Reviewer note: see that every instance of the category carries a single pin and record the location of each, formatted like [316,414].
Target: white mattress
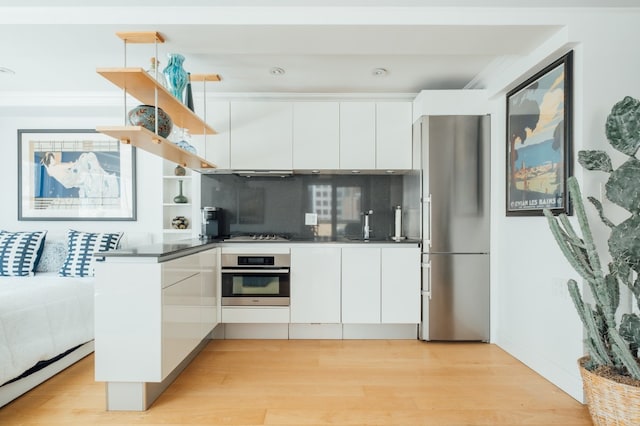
[42,317]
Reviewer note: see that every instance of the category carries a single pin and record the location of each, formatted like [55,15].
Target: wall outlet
[311,219]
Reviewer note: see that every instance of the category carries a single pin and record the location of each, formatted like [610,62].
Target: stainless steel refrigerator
[455,227]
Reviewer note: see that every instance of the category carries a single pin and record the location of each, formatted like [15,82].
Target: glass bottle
[188,94]
[154,71]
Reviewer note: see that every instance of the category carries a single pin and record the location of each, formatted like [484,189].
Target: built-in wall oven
[255,279]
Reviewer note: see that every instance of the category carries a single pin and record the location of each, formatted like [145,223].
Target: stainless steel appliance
[265,237]
[455,228]
[255,279]
[211,222]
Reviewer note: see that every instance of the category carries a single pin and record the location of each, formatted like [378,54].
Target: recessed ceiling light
[277,71]
[5,70]
[379,72]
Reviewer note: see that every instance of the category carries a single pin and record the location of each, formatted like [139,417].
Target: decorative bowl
[180,222]
[145,116]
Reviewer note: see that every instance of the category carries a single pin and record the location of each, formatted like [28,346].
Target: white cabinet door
[316,135]
[216,148]
[210,265]
[261,135]
[401,285]
[361,285]
[181,321]
[315,285]
[357,135]
[393,135]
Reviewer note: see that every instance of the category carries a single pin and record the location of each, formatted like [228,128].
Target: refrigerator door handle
[427,292]
[428,241]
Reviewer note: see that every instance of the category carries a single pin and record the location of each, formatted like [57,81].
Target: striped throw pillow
[20,252]
[81,246]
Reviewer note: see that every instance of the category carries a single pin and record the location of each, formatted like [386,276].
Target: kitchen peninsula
[157,305]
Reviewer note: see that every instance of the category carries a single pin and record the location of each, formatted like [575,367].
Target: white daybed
[41,318]
[46,320]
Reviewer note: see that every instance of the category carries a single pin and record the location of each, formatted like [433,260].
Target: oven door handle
[255,271]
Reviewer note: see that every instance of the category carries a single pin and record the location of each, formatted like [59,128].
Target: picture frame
[539,142]
[75,174]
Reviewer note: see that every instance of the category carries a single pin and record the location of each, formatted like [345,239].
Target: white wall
[533,317]
[148,174]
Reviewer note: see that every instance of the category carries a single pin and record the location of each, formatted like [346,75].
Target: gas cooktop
[258,237]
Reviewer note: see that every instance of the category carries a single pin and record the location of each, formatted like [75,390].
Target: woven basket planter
[610,403]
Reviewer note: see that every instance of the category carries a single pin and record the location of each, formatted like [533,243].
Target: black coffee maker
[211,220]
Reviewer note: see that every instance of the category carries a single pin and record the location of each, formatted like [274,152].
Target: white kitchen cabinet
[381,285]
[315,284]
[316,135]
[261,135]
[150,316]
[210,302]
[361,285]
[400,285]
[393,135]
[357,135]
[216,148]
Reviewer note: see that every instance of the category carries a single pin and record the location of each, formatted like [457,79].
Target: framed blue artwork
[76,174]
[539,156]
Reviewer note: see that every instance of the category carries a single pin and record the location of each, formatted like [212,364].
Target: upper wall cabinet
[316,135]
[216,148]
[375,135]
[305,135]
[393,135]
[357,135]
[261,135]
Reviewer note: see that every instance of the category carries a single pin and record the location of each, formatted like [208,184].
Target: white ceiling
[319,55]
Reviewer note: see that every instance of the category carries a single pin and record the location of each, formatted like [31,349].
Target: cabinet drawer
[180,269]
[255,315]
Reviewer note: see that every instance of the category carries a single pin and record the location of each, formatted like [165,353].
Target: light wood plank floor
[320,382]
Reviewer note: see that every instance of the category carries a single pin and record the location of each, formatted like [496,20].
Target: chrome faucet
[366,230]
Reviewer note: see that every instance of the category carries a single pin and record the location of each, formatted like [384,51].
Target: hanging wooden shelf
[142,86]
[148,141]
[139,84]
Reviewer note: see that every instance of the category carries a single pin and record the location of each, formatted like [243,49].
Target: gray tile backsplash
[278,205]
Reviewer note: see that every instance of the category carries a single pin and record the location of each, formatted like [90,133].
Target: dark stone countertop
[175,249]
[164,251]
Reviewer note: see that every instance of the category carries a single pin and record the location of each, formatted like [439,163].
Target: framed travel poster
[75,175]
[538,150]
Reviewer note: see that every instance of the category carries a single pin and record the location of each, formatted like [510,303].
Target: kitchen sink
[370,239]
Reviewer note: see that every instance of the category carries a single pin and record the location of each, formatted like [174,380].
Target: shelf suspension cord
[155,90]
[124,92]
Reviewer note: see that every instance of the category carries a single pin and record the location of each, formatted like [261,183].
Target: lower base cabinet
[149,317]
[381,285]
[315,285]
[361,285]
[400,285]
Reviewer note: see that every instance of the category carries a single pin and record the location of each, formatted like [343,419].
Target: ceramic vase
[175,75]
[179,170]
[145,116]
[180,198]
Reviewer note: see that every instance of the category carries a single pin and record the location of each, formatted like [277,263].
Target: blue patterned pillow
[20,252]
[80,249]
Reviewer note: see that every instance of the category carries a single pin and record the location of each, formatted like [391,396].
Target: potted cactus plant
[610,371]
